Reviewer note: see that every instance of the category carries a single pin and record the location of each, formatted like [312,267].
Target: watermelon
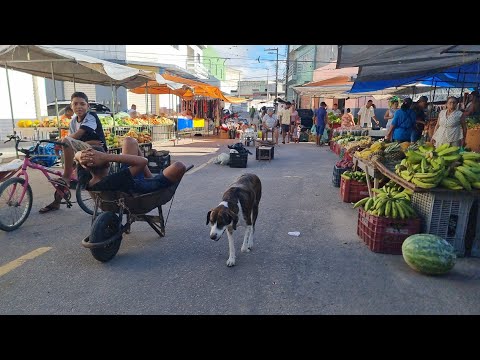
[428,254]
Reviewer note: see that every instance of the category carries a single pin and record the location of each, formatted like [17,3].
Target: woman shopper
[391,111]
[451,127]
[403,123]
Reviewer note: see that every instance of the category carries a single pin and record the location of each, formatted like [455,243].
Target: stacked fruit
[428,167]
[391,201]
[367,153]
[359,176]
[464,173]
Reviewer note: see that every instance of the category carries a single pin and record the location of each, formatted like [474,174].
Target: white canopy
[70,66]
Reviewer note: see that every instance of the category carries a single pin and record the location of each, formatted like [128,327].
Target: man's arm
[93,158]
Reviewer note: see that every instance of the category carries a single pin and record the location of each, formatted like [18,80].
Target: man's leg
[175,171]
[130,147]
[72,146]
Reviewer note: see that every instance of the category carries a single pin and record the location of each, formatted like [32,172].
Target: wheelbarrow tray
[136,203]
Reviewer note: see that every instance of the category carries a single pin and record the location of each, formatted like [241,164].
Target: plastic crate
[385,235]
[257,151]
[445,214]
[352,191]
[238,160]
[336,177]
[157,163]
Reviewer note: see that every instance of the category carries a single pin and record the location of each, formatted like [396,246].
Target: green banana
[471,177]
[442,147]
[423,165]
[458,175]
[452,158]
[451,184]
[360,202]
[449,150]
[388,208]
[476,184]
[470,155]
[394,210]
[400,209]
[422,184]
[471,163]
[368,204]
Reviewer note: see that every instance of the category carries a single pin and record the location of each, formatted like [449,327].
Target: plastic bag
[313,130]
[325,135]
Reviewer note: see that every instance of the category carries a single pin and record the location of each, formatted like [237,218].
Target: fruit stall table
[369,168]
[445,212]
[377,134]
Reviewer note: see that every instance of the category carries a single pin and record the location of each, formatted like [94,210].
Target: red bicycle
[16,194]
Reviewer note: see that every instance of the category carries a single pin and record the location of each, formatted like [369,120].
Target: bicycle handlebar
[18,140]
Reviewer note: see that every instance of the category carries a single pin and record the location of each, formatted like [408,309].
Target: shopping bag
[325,135]
[313,130]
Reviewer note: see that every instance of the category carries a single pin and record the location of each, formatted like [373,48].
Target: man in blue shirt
[321,116]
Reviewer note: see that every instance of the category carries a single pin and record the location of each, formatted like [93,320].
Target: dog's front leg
[246,240]
[231,248]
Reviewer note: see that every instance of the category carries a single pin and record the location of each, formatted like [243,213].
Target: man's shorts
[285,128]
[145,185]
[320,129]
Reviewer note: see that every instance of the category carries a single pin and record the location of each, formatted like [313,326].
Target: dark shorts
[146,185]
[320,129]
[285,128]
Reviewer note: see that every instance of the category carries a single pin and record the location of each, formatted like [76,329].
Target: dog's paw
[245,248]
[230,262]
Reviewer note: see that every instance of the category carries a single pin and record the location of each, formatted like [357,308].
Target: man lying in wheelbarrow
[134,177]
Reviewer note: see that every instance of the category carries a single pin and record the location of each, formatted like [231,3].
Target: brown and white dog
[246,191]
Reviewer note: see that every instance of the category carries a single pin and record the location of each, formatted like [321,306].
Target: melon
[428,254]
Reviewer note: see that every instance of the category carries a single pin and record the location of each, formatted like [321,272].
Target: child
[296,133]
[134,176]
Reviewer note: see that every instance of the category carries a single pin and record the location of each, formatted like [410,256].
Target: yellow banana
[449,150]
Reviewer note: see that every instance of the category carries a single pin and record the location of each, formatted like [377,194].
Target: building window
[175,46]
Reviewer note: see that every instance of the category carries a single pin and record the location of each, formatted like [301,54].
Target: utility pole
[276,72]
[267,85]
[286,73]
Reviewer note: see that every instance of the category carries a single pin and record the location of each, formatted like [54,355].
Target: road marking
[201,166]
[4,269]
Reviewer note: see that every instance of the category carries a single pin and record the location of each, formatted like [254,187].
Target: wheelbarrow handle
[189,168]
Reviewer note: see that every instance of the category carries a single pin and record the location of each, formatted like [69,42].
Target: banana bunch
[464,173]
[388,203]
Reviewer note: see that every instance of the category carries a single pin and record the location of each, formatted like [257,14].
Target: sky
[253,60]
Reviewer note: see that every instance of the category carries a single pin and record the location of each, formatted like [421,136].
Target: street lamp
[276,71]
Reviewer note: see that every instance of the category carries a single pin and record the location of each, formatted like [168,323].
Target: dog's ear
[208,217]
[234,219]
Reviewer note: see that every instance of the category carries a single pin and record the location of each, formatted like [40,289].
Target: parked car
[100,109]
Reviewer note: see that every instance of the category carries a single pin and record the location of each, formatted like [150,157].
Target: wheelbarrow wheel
[105,226]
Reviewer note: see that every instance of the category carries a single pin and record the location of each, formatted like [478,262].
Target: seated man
[134,176]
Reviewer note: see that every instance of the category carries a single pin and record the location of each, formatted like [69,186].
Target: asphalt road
[326,270]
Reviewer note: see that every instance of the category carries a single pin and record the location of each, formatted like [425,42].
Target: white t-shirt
[367,114]
[269,121]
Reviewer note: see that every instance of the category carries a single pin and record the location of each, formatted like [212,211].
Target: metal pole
[146,97]
[11,107]
[276,76]
[56,100]
[286,74]
[267,85]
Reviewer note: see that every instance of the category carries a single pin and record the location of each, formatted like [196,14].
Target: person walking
[321,121]
[284,116]
[366,115]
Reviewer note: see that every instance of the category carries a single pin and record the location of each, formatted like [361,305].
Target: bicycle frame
[27,163]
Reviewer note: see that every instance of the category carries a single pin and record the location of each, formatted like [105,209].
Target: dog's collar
[224,203]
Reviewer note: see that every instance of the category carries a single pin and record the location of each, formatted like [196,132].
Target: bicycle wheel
[84,199]
[12,213]
[105,226]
